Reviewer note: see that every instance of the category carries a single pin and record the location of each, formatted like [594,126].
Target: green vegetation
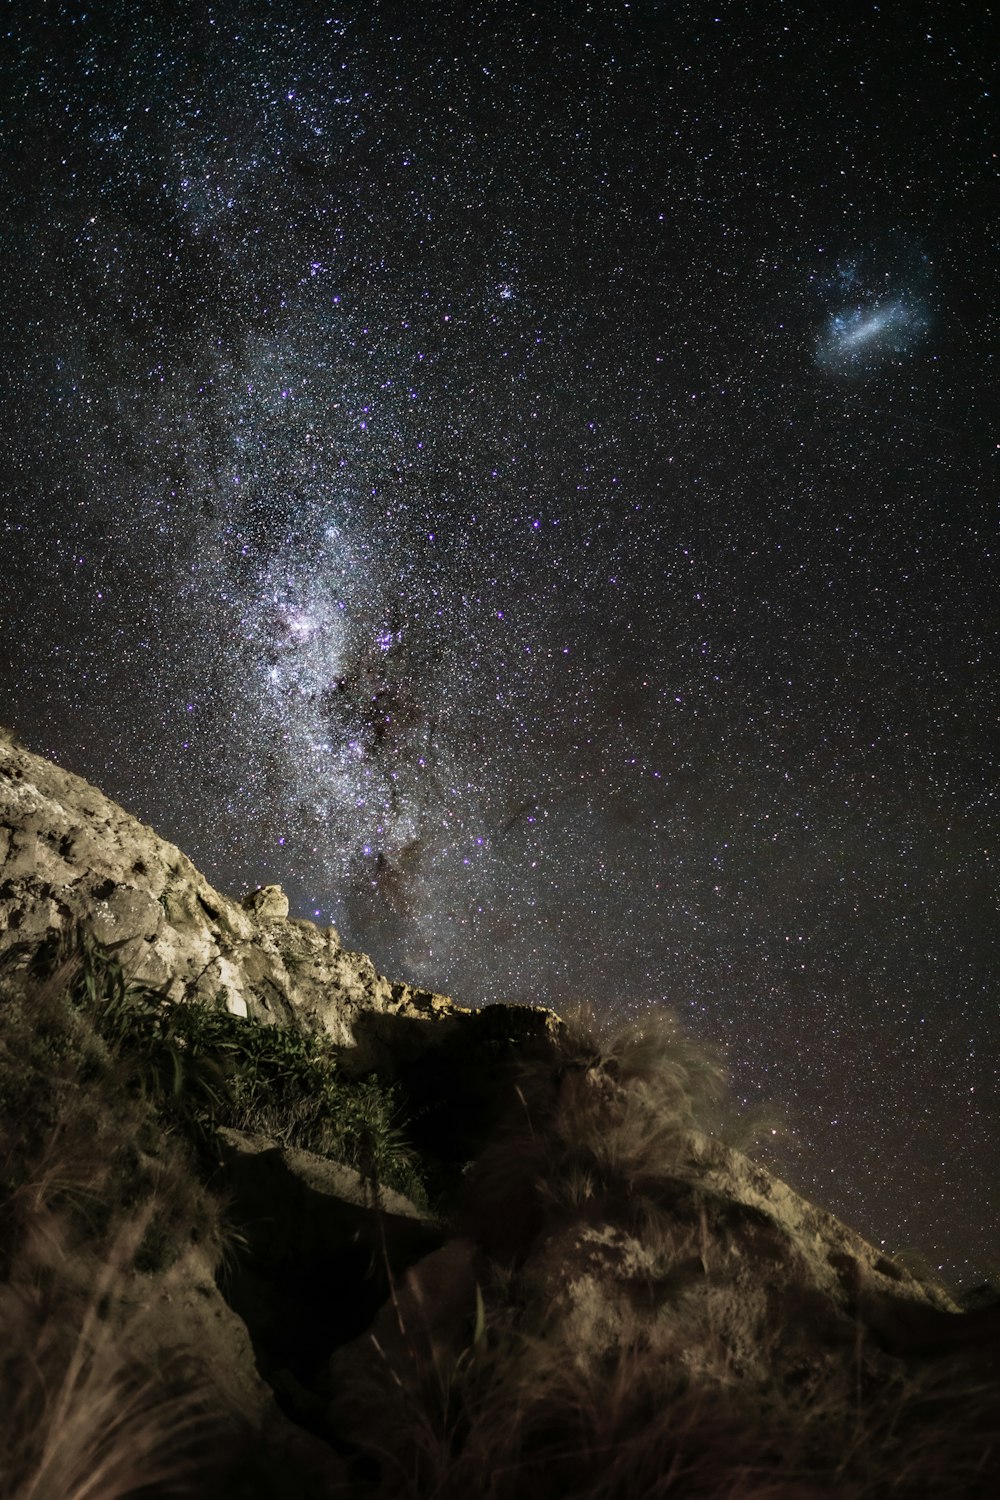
[76,1140]
[109,1098]
[608,1321]
[93,1193]
[200,1068]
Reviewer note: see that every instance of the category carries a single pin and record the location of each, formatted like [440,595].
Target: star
[555,457]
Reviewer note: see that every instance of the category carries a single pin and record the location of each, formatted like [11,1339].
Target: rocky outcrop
[317,1246]
[706,1319]
[719,1272]
[611,1294]
[68,853]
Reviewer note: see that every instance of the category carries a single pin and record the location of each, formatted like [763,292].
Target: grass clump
[524,1416]
[83,1418]
[603,1129]
[286,1084]
[78,1145]
[109,1098]
[94,1194]
[198,1068]
[633,1331]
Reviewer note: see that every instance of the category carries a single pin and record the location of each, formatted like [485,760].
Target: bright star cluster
[524,479]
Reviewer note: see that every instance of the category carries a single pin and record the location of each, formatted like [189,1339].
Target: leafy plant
[200,1067]
[79,1133]
[95,1194]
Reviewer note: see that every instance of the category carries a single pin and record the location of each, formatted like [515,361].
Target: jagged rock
[269,903]
[295,1202]
[684,1261]
[181,1316]
[179,1322]
[599,1231]
[423,1329]
[730,1274]
[735,1266]
[68,853]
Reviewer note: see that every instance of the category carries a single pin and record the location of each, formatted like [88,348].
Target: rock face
[67,852]
[630,1299]
[605,1282]
[317,1249]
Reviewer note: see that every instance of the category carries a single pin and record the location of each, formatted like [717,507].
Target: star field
[525,480]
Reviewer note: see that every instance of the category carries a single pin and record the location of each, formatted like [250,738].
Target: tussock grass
[622,1350]
[605,1129]
[99,1194]
[519,1418]
[83,1420]
[80,1143]
[620,1343]
[92,1193]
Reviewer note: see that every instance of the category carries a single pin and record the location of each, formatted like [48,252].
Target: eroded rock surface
[592,1227]
[726,1281]
[69,853]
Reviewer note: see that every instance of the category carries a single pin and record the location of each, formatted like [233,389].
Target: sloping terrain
[275,1226]
[67,851]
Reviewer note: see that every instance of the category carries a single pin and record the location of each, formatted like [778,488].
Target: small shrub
[199,1067]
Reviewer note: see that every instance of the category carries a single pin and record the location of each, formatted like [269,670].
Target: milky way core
[523,477]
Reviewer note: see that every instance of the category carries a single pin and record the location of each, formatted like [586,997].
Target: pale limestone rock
[179,1320]
[728,1281]
[734,1277]
[68,854]
[181,1311]
[268,904]
[289,1192]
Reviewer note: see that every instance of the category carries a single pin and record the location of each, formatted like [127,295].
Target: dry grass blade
[84,1422]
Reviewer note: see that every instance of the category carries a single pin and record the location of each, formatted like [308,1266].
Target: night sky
[525,479]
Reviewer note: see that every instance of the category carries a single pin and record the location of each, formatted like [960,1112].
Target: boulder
[318,1246]
[268,904]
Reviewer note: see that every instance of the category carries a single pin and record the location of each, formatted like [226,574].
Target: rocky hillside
[67,851]
[274,1225]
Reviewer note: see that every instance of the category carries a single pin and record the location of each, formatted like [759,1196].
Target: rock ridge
[68,853]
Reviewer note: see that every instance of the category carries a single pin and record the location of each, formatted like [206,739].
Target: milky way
[525,481]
